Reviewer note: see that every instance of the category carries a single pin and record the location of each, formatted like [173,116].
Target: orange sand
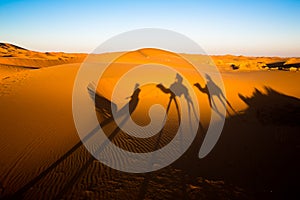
[37,128]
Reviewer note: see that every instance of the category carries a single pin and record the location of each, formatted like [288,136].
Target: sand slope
[33,123]
[42,157]
[15,56]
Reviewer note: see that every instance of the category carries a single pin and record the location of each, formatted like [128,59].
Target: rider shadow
[103,106]
[109,110]
[211,89]
[178,89]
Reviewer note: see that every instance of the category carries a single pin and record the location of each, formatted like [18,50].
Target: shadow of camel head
[197,85]
[163,88]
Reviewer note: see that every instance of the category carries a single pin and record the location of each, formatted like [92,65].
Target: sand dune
[43,158]
[19,57]
[248,63]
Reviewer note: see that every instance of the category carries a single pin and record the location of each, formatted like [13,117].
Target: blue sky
[258,28]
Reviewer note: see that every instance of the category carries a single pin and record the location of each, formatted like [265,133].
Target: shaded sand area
[42,157]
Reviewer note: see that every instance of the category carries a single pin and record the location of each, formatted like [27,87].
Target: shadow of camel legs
[78,174]
[211,89]
[176,89]
[149,176]
[18,194]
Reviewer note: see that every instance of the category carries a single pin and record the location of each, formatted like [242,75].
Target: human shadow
[106,108]
[178,89]
[126,111]
[262,153]
[258,156]
[109,110]
[211,89]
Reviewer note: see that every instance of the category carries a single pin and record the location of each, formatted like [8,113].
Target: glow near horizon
[257,28]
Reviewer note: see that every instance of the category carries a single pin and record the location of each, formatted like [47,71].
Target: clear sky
[257,27]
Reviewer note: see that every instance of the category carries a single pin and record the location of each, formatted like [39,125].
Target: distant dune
[17,56]
[249,63]
[11,55]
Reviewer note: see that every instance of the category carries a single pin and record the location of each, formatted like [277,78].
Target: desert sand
[257,155]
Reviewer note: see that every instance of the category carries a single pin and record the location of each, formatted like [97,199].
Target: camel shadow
[110,111]
[211,89]
[261,153]
[107,109]
[178,89]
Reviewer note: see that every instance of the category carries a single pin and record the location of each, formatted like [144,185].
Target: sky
[252,28]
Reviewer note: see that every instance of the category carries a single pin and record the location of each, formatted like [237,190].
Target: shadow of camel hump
[178,89]
[211,89]
[130,106]
[107,108]
[262,152]
[104,106]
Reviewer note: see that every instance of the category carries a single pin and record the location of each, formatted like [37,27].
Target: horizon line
[83,52]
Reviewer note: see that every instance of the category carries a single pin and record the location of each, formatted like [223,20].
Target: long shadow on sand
[106,108]
[212,90]
[126,111]
[176,89]
[259,149]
